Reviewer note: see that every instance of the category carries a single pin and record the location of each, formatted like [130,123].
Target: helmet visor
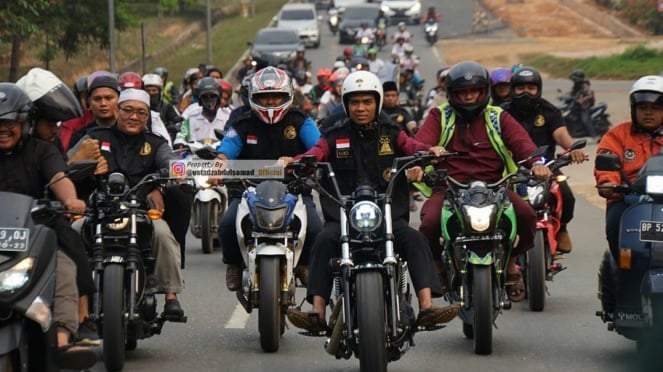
[655,98]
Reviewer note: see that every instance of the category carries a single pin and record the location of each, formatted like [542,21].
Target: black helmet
[526,75]
[79,87]
[208,85]
[163,72]
[15,105]
[578,76]
[468,74]
[51,98]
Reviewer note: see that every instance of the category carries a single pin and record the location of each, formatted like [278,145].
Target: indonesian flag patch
[251,139]
[343,143]
[105,146]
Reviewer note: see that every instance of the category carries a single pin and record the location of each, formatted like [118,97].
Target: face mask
[155,100]
[209,103]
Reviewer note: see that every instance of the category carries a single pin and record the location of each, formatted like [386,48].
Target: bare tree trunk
[15,59]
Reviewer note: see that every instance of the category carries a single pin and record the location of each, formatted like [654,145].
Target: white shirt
[196,127]
[159,128]
[375,65]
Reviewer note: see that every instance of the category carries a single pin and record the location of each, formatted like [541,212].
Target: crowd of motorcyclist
[136,124]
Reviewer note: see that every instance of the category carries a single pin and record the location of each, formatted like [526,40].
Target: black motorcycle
[372,316]
[571,113]
[631,280]
[119,230]
[28,339]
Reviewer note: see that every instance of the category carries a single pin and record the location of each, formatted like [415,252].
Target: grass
[229,36]
[629,65]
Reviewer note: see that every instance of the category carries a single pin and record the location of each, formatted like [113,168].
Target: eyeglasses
[129,111]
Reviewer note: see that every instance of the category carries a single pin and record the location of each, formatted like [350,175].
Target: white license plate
[14,239]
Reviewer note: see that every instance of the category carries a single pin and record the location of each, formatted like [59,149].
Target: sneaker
[564,244]
[437,315]
[87,334]
[301,272]
[233,277]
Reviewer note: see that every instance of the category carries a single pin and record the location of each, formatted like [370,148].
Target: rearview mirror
[80,169]
[607,162]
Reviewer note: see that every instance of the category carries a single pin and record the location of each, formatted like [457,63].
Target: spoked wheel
[269,311]
[482,305]
[371,322]
[208,220]
[114,325]
[536,273]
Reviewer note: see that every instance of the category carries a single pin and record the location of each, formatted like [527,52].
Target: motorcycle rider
[153,85]
[398,50]
[170,91]
[69,127]
[545,125]
[437,95]
[375,64]
[365,32]
[331,101]
[359,50]
[431,14]
[272,128]
[130,149]
[583,95]
[381,19]
[375,142]
[396,113]
[403,33]
[323,86]
[299,62]
[205,117]
[633,142]
[500,89]
[483,155]
[27,164]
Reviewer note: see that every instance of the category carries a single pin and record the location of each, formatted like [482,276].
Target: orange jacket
[633,149]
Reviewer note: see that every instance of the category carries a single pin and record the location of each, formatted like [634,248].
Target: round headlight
[365,216]
[201,182]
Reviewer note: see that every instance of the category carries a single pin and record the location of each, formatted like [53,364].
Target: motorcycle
[479,231]
[630,287]
[381,34]
[271,229]
[28,339]
[334,19]
[430,27]
[372,317]
[571,114]
[540,264]
[119,233]
[209,202]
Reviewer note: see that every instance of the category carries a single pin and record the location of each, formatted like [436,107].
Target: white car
[408,11]
[302,18]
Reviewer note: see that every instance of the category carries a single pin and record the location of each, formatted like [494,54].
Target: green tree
[18,21]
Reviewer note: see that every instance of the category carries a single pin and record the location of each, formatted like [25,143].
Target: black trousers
[178,214]
[409,243]
[568,203]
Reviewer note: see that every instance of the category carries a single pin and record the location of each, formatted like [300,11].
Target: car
[321,4]
[353,17]
[408,11]
[341,4]
[274,46]
[302,18]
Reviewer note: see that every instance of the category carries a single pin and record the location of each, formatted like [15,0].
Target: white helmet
[362,81]
[152,80]
[646,89]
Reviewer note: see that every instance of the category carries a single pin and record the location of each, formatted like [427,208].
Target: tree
[19,20]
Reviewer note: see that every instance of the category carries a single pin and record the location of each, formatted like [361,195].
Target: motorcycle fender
[300,213]
[277,250]
[10,336]
[652,283]
[242,212]
[206,195]
[474,259]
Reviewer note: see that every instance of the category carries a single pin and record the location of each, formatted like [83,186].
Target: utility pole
[209,32]
[111,35]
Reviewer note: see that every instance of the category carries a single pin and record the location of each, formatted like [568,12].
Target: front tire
[208,217]
[114,326]
[371,321]
[536,273]
[269,314]
[482,306]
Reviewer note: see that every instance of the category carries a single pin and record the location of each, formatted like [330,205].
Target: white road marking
[238,319]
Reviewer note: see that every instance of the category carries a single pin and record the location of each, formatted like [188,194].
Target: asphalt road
[566,336]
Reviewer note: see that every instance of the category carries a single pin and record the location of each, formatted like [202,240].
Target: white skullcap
[136,95]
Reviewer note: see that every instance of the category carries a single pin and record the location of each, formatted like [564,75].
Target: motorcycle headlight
[365,216]
[479,217]
[201,182]
[119,223]
[14,278]
[654,185]
[535,194]
[270,218]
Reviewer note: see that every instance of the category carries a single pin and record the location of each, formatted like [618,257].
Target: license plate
[14,239]
[651,231]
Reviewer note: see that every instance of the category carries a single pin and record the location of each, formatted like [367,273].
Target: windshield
[297,15]
[361,13]
[277,37]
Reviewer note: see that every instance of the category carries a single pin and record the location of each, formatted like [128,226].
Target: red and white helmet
[271,80]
